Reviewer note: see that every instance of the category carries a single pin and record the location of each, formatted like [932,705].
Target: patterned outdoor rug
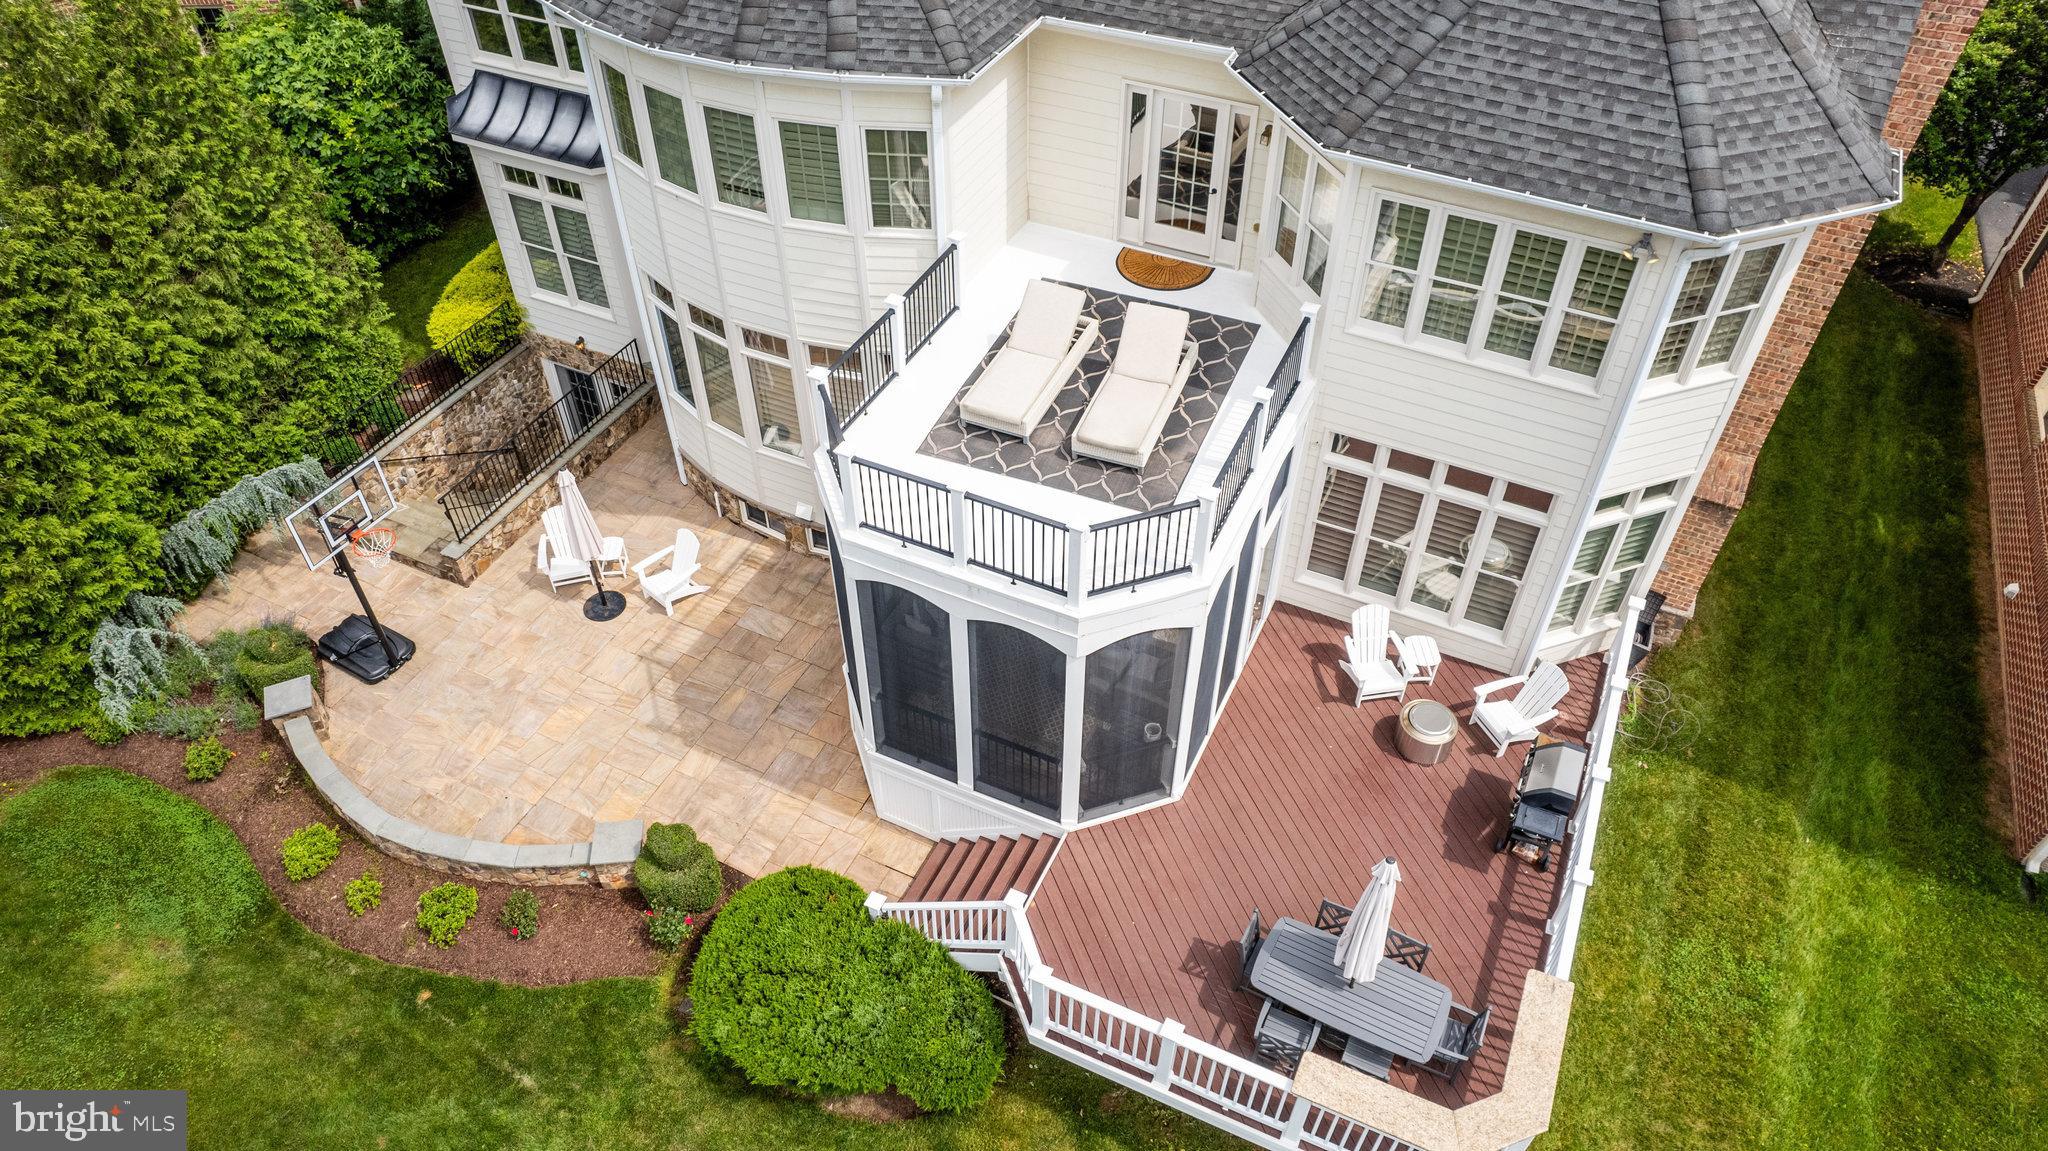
[1046,458]
[1159,273]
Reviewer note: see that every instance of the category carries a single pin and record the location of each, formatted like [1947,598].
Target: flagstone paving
[521,721]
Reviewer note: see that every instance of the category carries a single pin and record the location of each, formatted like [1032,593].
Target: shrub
[309,850]
[799,987]
[205,759]
[244,715]
[272,654]
[676,871]
[472,294]
[365,892]
[444,911]
[521,914]
[101,730]
[669,930]
[187,721]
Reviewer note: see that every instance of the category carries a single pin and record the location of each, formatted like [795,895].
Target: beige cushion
[1045,323]
[1150,346]
[1009,389]
[1121,416]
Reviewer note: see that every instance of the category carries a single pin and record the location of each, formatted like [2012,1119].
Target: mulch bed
[586,932]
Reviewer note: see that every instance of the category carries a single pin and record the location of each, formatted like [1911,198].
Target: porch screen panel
[1246,560]
[1212,662]
[845,620]
[1019,691]
[909,653]
[1130,714]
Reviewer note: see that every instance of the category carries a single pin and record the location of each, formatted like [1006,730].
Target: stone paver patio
[521,721]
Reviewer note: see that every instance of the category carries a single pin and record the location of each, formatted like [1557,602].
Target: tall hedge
[799,988]
[471,296]
[176,311]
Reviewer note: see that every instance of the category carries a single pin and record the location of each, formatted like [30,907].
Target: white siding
[1667,436]
[606,329]
[986,165]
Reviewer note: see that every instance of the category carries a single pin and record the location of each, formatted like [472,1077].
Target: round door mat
[1160,273]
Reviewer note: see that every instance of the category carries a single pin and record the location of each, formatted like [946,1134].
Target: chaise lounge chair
[1047,341]
[1153,360]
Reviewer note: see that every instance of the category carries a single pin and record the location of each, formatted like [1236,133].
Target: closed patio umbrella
[585,544]
[1365,933]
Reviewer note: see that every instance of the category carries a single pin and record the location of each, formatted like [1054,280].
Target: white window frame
[674,356]
[697,332]
[715,196]
[867,179]
[787,364]
[626,119]
[766,525]
[783,170]
[551,203]
[476,10]
[1297,264]
[1493,507]
[1621,511]
[1473,348]
[818,540]
[650,150]
[1688,371]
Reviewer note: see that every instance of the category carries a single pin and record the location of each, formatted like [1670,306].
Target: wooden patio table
[1400,1011]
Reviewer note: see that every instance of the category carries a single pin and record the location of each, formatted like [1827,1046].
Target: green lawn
[414,278]
[1802,934]
[142,950]
[1919,223]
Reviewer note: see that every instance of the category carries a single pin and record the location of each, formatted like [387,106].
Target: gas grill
[1545,798]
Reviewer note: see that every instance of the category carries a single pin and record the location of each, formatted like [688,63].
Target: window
[899,178]
[1611,554]
[1019,689]
[625,132]
[810,167]
[672,345]
[519,176]
[1719,302]
[669,125]
[487,24]
[774,386]
[1431,536]
[757,517]
[569,244]
[909,649]
[1547,303]
[714,363]
[1307,214]
[662,293]
[735,159]
[572,49]
[819,539]
[500,24]
[1130,719]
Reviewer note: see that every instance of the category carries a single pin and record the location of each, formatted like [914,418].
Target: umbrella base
[604,605]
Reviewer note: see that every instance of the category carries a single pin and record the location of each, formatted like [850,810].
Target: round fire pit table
[1426,730]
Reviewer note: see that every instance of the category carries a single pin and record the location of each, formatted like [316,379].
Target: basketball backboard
[360,498]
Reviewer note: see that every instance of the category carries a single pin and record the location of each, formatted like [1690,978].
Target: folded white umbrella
[584,543]
[1364,939]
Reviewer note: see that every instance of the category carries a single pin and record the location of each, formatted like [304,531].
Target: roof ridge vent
[753,24]
[1393,71]
[842,34]
[1815,59]
[946,33]
[1695,107]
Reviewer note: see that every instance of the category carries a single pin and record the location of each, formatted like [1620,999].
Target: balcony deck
[1296,796]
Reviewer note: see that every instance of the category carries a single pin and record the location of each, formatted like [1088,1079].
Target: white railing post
[1205,526]
[1077,545]
[874,904]
[1297,1118]
[899,347]
[956,525]
[1034,991]
[1170,1035]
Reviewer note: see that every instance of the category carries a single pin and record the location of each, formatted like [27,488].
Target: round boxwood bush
[799,987]
[205,759]
[676,871]
[444,910]
[474,293]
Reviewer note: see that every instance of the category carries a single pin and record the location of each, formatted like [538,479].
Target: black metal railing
[422,385]
[1021,773]
[861,372]
[904,507]
[540,442]
[1287,375]
[1011,542]
[917,733]
[1237,471]
[931,300]
[1144,547]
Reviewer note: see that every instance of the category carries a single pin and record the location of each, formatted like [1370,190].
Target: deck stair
[968,870]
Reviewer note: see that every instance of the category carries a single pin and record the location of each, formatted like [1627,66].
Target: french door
[1184,173]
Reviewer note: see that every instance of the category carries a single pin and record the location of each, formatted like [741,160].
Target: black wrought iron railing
[1141,548]
[1237,471]
[1287,376]
[542,441]
[861,372]
[1017,771]
[1008,541]
[422,385]
[931,300]
[918,733]
[904,507]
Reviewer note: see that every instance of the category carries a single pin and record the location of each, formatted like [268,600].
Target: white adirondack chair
[562,572]
[677,580]
[1373,675]
[1515,720]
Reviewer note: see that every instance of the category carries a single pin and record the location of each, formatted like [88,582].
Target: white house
[1483,283]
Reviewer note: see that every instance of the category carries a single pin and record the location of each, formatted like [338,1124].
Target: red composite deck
[1295,798]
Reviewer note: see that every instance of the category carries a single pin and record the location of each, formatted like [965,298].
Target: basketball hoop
[373,545]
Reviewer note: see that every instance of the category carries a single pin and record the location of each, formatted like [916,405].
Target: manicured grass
[142,950]
[1919,223]
[414,278]
[1802,934]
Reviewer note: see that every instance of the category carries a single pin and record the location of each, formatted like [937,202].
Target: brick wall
[2011,328]
[1944,27]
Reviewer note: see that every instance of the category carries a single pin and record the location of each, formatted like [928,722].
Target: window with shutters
[668,125]
[1717,314]
[774,387]
[1546,305]
[899,177]
[810,170]
[561,253]
[1609,561]
[1434,538]
[735,158]
[625,130]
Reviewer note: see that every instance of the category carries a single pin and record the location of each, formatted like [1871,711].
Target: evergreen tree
[178,312]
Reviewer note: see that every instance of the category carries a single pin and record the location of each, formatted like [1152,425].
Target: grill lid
[1552,775]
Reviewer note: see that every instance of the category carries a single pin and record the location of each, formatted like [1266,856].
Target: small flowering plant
[669,930]
[520,916]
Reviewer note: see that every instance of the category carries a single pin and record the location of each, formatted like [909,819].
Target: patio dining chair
[1462,1039]
[676,580]
[1247,947]
[1517,718]
[1405,950]
[1373,675]
[1281,1036]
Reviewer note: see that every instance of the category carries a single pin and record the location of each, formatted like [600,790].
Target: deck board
[1296,797]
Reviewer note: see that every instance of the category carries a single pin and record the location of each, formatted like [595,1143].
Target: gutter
[2019,229]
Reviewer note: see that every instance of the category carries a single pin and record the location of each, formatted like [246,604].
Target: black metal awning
[551,123]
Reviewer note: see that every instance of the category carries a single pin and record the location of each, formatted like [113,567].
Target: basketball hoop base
[354,648]
[604,605]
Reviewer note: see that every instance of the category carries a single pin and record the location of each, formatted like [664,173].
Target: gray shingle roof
[552,123]
[1708,115]
[1999,215]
